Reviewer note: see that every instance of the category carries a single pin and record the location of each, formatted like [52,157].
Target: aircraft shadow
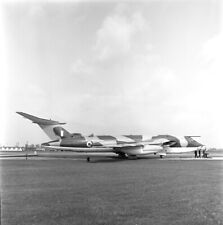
[112,159]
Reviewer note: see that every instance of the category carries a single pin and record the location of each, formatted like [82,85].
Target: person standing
[199,153]
[195,154]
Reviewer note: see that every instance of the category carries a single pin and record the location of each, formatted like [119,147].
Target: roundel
[89,144]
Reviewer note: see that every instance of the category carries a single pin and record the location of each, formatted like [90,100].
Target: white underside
[180,150]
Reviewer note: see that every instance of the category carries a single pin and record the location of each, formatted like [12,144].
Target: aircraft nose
[197,139]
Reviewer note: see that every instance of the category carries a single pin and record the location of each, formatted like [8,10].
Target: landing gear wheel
[88,159]
[161,156]
[122,155]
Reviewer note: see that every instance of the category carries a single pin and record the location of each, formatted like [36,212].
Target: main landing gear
[162,155]
[122,155]
[88,159]
[125,156]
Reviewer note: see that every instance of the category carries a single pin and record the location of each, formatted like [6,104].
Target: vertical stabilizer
[46,125]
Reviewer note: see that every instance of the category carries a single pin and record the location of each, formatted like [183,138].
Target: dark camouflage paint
[78,140]
[175,142]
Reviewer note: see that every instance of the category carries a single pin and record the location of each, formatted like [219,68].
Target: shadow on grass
[112,159]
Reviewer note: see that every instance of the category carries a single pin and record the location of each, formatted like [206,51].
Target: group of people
[197,154]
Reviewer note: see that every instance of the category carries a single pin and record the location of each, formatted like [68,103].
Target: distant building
[11,148]
[27,147]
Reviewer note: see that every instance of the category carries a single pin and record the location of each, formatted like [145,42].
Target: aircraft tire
[122,155]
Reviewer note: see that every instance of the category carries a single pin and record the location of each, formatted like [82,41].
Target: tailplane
[50,127]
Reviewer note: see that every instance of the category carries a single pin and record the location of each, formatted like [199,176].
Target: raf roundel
[89,144]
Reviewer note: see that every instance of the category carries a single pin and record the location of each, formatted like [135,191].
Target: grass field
[148,191]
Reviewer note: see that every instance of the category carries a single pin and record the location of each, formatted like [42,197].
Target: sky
[112,67]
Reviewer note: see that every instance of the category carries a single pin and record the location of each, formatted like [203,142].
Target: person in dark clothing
[199,153]
[195,154]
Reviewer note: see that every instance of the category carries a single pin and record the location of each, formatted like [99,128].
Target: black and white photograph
[111,112]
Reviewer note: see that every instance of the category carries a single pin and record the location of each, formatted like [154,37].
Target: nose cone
[198,140]
[194,141]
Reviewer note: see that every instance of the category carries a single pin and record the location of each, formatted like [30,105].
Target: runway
[61,188]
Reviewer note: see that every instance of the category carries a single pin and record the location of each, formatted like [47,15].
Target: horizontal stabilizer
[192,136]
[40,121]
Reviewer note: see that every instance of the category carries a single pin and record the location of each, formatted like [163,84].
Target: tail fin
[50,127]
